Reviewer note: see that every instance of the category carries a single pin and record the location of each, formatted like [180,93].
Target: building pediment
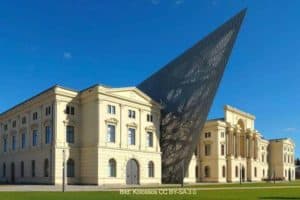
[150,128]
[112,120]
[132,124]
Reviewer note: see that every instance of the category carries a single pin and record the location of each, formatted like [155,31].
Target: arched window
[255,172]
[112,165]
[70,168]
[22,169]
[224,171]
[4,170]
[46,168]
[151,169]
[206,171]
[236,171]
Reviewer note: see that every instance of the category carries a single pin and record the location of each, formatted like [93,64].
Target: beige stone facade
[103,135]
[232,150]
[108,136]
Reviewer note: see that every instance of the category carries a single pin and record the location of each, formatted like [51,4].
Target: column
[238,150]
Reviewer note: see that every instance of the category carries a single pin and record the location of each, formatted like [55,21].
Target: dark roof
[216,119]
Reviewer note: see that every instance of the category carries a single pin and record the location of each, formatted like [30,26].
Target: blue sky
[120,43]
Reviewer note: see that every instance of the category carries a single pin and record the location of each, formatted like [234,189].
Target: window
[236,171]
[5,145]
[23,120]
[224,171]
[112,168]
[111,109]
[262,158]
[48,135]
[70,168]
[70,110]
[48,110]
[111,133]
[35,116]
[131,114]
[33,168]
[149,139]
[131,136]
[4,170]
[5,127]
[222,149]
[34,137]
[150,169]
[149,118]
[13,143]
[70,134]
[207,149]
[23,140]
[22,169]
[14,124]
[207,134]
[206,171]
[46,168]
[255,172]
[196,172]
[285,158]
[263,173]
[222,134]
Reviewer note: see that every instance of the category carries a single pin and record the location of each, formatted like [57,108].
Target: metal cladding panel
[186,88]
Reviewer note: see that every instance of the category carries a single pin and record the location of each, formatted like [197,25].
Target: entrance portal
[12,170]
[132,172]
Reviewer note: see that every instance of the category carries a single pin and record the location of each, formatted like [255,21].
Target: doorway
[12,170]
[132,172]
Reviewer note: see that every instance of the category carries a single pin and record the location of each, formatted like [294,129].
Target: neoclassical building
[103,135]
[231,150]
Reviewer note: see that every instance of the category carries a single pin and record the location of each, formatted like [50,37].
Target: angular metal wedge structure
[186,88]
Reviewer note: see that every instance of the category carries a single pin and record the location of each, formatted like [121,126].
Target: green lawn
[217,194]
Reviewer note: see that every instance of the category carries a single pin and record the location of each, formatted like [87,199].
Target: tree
[297,161]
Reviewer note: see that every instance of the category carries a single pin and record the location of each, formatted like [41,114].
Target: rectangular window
[13,143]
[35,116]
[23,140]
[207,150]
[131,136]
[222,134]
[222,149]
[131,114]
[111,133]
[70,110]
[207,135]
[34,137]
[48,135]
[23,120]
[33,168]
[5,145]
[149,118]
[5,127]
[70,134]
[48,110]
[111,109]
[14,124]
[149,139]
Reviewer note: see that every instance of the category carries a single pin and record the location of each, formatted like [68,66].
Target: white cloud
[155,2]
[179,2]
[67,55]
[290,129]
